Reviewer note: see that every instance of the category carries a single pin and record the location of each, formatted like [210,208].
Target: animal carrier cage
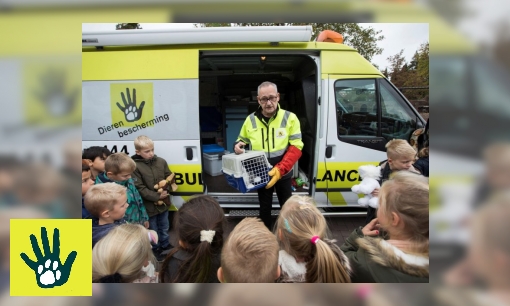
[247,171]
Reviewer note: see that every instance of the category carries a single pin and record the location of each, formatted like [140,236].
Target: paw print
[51,274]
[130,110]
[48,269]
[53,94]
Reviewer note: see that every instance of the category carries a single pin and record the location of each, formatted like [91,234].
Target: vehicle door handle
[329,151]
[189,153]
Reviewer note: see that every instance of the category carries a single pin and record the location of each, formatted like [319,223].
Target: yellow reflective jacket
[282,130]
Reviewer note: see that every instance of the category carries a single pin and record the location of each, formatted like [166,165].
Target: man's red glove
[284,166]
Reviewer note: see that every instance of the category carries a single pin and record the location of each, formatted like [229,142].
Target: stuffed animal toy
[166,184]
[369,175]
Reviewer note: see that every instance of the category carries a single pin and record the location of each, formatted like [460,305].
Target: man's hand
[375,193]
[275,176]
[371,229]
[239,147]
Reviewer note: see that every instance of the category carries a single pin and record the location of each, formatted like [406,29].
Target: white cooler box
[212,163]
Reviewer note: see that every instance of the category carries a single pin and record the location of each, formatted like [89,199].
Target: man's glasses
[270,98]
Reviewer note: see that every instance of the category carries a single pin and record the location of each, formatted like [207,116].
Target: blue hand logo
[49,271]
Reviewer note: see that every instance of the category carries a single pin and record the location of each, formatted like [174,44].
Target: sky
[483,18]
[398,36]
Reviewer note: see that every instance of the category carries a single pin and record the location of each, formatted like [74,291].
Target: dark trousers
[371,214]
[283,192]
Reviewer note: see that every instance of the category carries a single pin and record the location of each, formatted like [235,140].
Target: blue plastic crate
[238,183]
[254,174]
[212,149]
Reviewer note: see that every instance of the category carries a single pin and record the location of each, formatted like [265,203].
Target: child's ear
[220,275]
[137,152]
[89,162]
[278,272]
[395,219]
[108,174]
[105,214]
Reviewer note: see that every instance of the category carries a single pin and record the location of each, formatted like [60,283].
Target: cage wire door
[255,172]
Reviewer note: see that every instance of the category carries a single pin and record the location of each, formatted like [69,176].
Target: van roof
[210,38]
[235,46]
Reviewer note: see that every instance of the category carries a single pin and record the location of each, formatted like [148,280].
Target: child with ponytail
[403,214]
[306,253]
[199,224]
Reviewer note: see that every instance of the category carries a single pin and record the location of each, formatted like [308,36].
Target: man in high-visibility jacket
[276,132]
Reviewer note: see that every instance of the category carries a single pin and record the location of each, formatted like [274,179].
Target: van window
[357,112]
[398,120]
[356,107]
[492,88]
[449,78]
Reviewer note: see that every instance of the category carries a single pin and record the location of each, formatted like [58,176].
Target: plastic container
[247,171]
[212,149]
[212,163]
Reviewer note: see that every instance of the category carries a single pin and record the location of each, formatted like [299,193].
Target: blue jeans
[161,225]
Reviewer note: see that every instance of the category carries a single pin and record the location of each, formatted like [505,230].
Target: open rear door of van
[132,92]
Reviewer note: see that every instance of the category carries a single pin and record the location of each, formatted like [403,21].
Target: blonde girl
[404,214]
[306,253]
[120,256]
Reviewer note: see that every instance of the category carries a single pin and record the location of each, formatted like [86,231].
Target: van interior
[228,94]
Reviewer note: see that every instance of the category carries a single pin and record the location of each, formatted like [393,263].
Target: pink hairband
[152,238]
[363,291]
[314,239]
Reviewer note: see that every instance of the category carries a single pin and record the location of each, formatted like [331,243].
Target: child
[306,254]
[199,224]
[250,254]
[150,170]
[404,214]
[121,255]
[96,157]
[422,164]
[488,255]
[400,157]
[86,182]
[118,168]
[496,175]
[107,204]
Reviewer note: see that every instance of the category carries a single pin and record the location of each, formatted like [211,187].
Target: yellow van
[190,89]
